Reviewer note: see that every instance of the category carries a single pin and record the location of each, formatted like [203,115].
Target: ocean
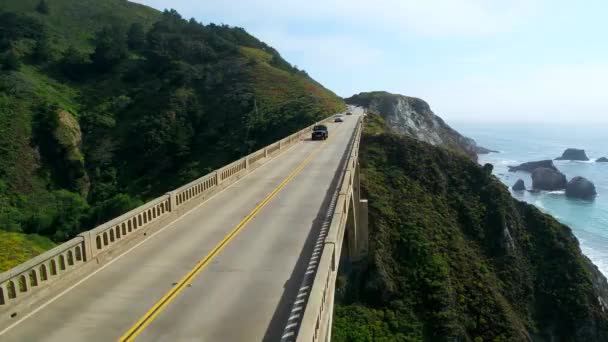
[519,143]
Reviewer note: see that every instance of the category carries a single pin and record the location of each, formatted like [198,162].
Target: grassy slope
[441,267]
[75,22]
[25,183]
[18,248]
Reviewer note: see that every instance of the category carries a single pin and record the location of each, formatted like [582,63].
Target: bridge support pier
[357,222]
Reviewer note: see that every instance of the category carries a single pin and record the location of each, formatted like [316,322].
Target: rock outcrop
[602,160]
[580,187]
[413,117]
[548,179]
[573,154]
[531,166]
[519,185]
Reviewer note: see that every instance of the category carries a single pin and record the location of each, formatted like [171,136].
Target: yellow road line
[158,307]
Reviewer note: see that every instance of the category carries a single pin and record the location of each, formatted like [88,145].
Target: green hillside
[106,104]
[18,248]
[455,258]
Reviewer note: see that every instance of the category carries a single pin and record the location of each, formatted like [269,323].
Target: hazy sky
[503,60]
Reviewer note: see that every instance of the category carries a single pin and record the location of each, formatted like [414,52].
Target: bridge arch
[43,273]
[33,278]
[11,291]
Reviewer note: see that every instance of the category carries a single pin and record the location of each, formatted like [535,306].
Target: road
[244,294]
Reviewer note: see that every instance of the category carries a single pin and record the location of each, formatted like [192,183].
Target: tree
[12,61]
[43,52]
[43,7]
[74,63]
[136,37]
[110,47]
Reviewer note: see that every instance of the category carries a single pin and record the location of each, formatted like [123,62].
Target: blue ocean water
[519,143]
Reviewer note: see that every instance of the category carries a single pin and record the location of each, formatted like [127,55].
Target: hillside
[455,258]
[105,104]
[413,117]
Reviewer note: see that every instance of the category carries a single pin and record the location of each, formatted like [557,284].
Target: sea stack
[519,185]
[580,187]
[531,166]
[548,180]
[573,154]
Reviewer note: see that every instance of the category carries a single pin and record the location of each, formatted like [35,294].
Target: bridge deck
[244,294]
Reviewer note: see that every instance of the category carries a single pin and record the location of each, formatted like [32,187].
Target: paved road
[244,294]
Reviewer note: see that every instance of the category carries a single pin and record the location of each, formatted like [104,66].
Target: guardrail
[317,317]
[34,281]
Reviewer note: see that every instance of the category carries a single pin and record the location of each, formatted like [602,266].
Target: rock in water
[602,160]
[519,185]
[548,179]
[573,154]
[580,187]
[531,166]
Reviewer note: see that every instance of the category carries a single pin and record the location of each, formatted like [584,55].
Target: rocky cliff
[413,117]
[454,257]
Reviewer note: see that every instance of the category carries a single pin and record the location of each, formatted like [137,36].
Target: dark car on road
[339,118]
[320,132]
[349,113]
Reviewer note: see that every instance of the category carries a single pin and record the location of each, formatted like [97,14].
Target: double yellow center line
[149,316]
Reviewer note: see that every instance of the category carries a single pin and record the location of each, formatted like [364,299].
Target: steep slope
[455,258]
[105,104]
[413,117]
[18,248]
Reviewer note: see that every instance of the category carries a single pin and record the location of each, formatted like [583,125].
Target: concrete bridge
[249,252]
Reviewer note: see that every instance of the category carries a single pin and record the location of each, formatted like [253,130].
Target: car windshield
[319,128]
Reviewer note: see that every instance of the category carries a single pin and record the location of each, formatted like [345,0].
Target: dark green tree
[74,63]
[12,61]
[136,37]
[110,47]
[43,7]
[43,51]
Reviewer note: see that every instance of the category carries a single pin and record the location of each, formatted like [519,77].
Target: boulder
[580,187]
[531,166]
[547,179]
[573,154]
[602,160]
[519,185]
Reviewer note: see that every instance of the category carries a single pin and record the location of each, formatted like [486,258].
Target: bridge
[249,252]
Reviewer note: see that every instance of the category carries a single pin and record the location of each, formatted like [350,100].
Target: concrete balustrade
[349,221]
[19,282]
[32,283]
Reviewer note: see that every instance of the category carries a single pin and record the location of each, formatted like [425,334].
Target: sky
[528,61]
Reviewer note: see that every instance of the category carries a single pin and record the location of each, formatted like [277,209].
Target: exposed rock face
[413,117]
[602,160]
[548,179]
[580,187]
[531,166]
[519,185]
[573,154]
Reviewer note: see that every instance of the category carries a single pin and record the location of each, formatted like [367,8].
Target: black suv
[319,132]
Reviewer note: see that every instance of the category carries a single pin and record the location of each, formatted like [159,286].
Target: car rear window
[319,128]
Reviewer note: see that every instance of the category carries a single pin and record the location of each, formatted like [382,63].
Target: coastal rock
[483,150]
[602,160]
[580,187]
[531,166]
[519,185]
[573,154]
[413,117]
[548,179]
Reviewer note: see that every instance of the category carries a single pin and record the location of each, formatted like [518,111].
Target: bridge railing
[43,276]
[316,321]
